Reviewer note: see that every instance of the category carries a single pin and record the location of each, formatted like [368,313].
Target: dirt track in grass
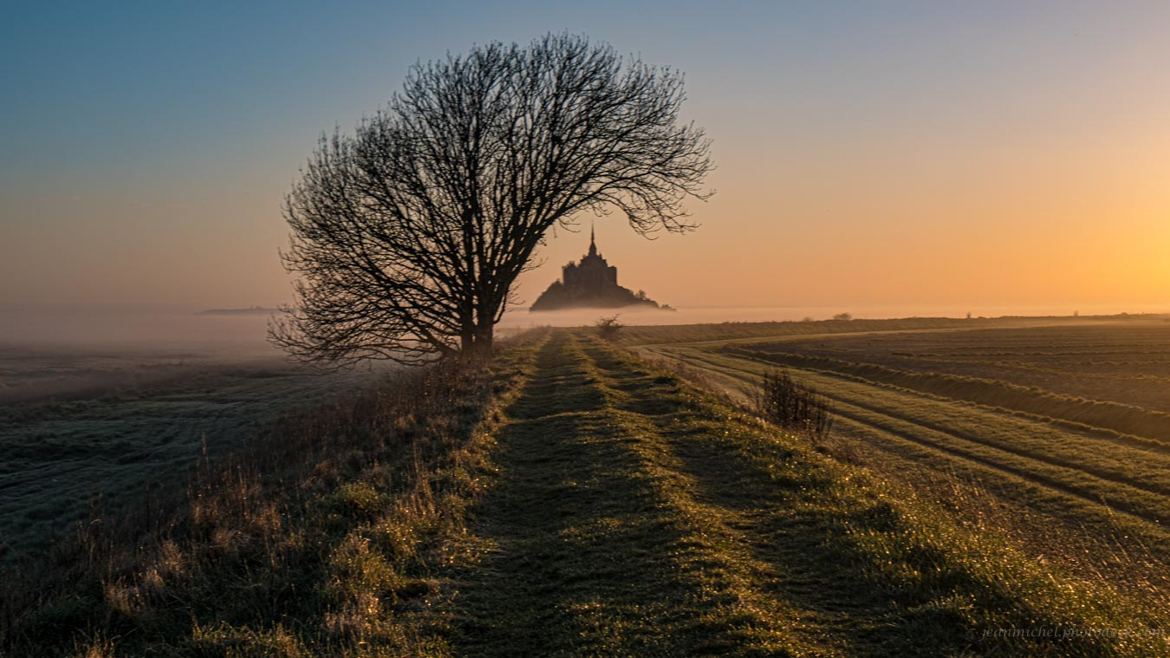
[629,517]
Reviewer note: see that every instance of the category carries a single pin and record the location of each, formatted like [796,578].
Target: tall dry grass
[315,538]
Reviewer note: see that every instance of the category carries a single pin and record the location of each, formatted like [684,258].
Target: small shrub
[609,328]
[843,317]
[357,500]
[790,404]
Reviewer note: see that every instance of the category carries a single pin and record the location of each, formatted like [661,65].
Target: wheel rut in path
[775,516]
[585,554]
[623,521]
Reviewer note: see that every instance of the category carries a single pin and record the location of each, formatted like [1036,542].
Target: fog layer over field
[106,406]
[242,333]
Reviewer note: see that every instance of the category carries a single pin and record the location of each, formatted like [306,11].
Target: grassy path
[629,517]
[590,551]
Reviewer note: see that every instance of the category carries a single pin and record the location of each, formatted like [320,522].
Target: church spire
[592,241]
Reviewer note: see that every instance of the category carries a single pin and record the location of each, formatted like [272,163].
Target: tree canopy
[408,234]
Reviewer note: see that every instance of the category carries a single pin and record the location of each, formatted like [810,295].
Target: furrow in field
[1079,513]
[750,509]
[1128,500]
[1145,507]
[1134,480]
[1124,424]
[1028,446]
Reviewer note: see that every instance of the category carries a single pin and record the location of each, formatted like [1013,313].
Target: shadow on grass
[580,544]
[911,602]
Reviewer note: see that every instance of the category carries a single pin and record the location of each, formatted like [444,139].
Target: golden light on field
[302,349]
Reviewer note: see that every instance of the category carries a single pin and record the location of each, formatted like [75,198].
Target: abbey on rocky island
[590,283]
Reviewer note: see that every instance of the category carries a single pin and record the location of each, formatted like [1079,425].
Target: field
[1058,428]
[569,498]
[86,428]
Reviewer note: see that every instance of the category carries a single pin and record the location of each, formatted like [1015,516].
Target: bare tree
[408,235]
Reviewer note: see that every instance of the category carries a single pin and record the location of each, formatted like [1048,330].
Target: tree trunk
[483,340]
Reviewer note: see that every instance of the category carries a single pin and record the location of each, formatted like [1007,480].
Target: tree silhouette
[408,235]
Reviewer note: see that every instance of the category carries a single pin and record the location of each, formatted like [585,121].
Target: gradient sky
[880,154]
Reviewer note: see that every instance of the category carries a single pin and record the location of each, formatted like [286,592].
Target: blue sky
[145,147]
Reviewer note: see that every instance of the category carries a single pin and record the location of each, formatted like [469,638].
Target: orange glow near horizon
[996,155]
[986,224]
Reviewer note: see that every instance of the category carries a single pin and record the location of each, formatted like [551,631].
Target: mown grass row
[727,332]
[321,538]
[882,564]
[1116,547]
[1153,426]
[1141,477]
[1136,481]
[731,332]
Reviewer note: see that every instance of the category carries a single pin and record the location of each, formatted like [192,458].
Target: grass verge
[321,538]
[568,499]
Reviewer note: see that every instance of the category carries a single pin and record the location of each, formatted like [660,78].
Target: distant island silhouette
[251,310]
[590,283]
